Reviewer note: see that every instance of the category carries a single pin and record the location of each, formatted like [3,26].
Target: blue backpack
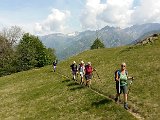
[119,72]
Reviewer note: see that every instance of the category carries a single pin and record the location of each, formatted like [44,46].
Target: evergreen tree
[97,44]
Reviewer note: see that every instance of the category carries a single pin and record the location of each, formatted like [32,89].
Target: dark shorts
[88,77]
[74,72]
[122,88]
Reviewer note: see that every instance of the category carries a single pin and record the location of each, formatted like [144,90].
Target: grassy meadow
[41,94]
[143,63]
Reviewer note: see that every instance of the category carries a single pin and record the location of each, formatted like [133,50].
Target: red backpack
[88,69]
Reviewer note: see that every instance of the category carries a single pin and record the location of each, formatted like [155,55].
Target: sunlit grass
[41,94]
[143,62]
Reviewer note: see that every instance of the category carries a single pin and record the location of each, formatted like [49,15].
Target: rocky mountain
[72,44]
[149,40]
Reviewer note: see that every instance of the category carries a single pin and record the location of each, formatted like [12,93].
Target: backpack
[88,69]
[119,72]
[81,68]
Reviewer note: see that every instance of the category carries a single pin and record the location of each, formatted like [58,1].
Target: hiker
[88,73]
[121,77]
[74,70]
[54,65]
[82,71]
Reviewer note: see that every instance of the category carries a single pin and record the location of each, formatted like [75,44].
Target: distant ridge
[72,44]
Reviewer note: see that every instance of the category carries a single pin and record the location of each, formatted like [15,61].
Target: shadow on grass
[72,84]
[101,102]
[77,88]
[64,81]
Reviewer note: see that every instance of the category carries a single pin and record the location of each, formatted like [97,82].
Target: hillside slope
[142,63]
[41,94]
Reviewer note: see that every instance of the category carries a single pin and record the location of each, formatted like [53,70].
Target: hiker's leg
[82,81]
[86,77]
[90,78]
[125,97]
[117,95]
[118,91]
[54,68]
[82,78]
[125,94]
[74,76]
[87,82]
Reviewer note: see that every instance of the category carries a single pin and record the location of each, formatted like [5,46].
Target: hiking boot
[126,106]
[116,99]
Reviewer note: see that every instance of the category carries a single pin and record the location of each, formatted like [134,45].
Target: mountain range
[67,45]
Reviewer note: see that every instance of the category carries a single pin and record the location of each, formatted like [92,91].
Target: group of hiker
[86,71]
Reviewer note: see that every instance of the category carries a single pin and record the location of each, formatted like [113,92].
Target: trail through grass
[142,63]
[43,95]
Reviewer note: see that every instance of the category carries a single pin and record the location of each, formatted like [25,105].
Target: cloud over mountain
[55,22]
[121,13]
[148,11]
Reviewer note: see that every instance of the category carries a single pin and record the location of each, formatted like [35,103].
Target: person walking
[121,83]
[54,65]
[82,71]
[74,70]
[88,74]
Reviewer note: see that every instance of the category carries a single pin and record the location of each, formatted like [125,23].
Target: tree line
[21,51]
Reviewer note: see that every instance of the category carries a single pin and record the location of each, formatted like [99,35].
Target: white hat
[74,62]
[82,62]
[123,64]
[89,63]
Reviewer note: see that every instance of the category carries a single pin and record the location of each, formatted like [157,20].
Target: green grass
[143,62]
[43,95]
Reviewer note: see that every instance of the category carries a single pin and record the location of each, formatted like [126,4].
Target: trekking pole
[130,83]
[97,73]
[119,90]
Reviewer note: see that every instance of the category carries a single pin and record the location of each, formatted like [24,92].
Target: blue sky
[67,16]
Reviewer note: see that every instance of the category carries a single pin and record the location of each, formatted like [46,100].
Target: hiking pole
[97,73]
[98,76]
[119,90]
[130,83]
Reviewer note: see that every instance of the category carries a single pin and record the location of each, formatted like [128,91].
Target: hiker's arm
[130,78]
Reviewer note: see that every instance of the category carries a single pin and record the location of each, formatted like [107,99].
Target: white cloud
[89,15]
[148,11]
[121,13]
[117,13]
[55,22]
[113,12]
